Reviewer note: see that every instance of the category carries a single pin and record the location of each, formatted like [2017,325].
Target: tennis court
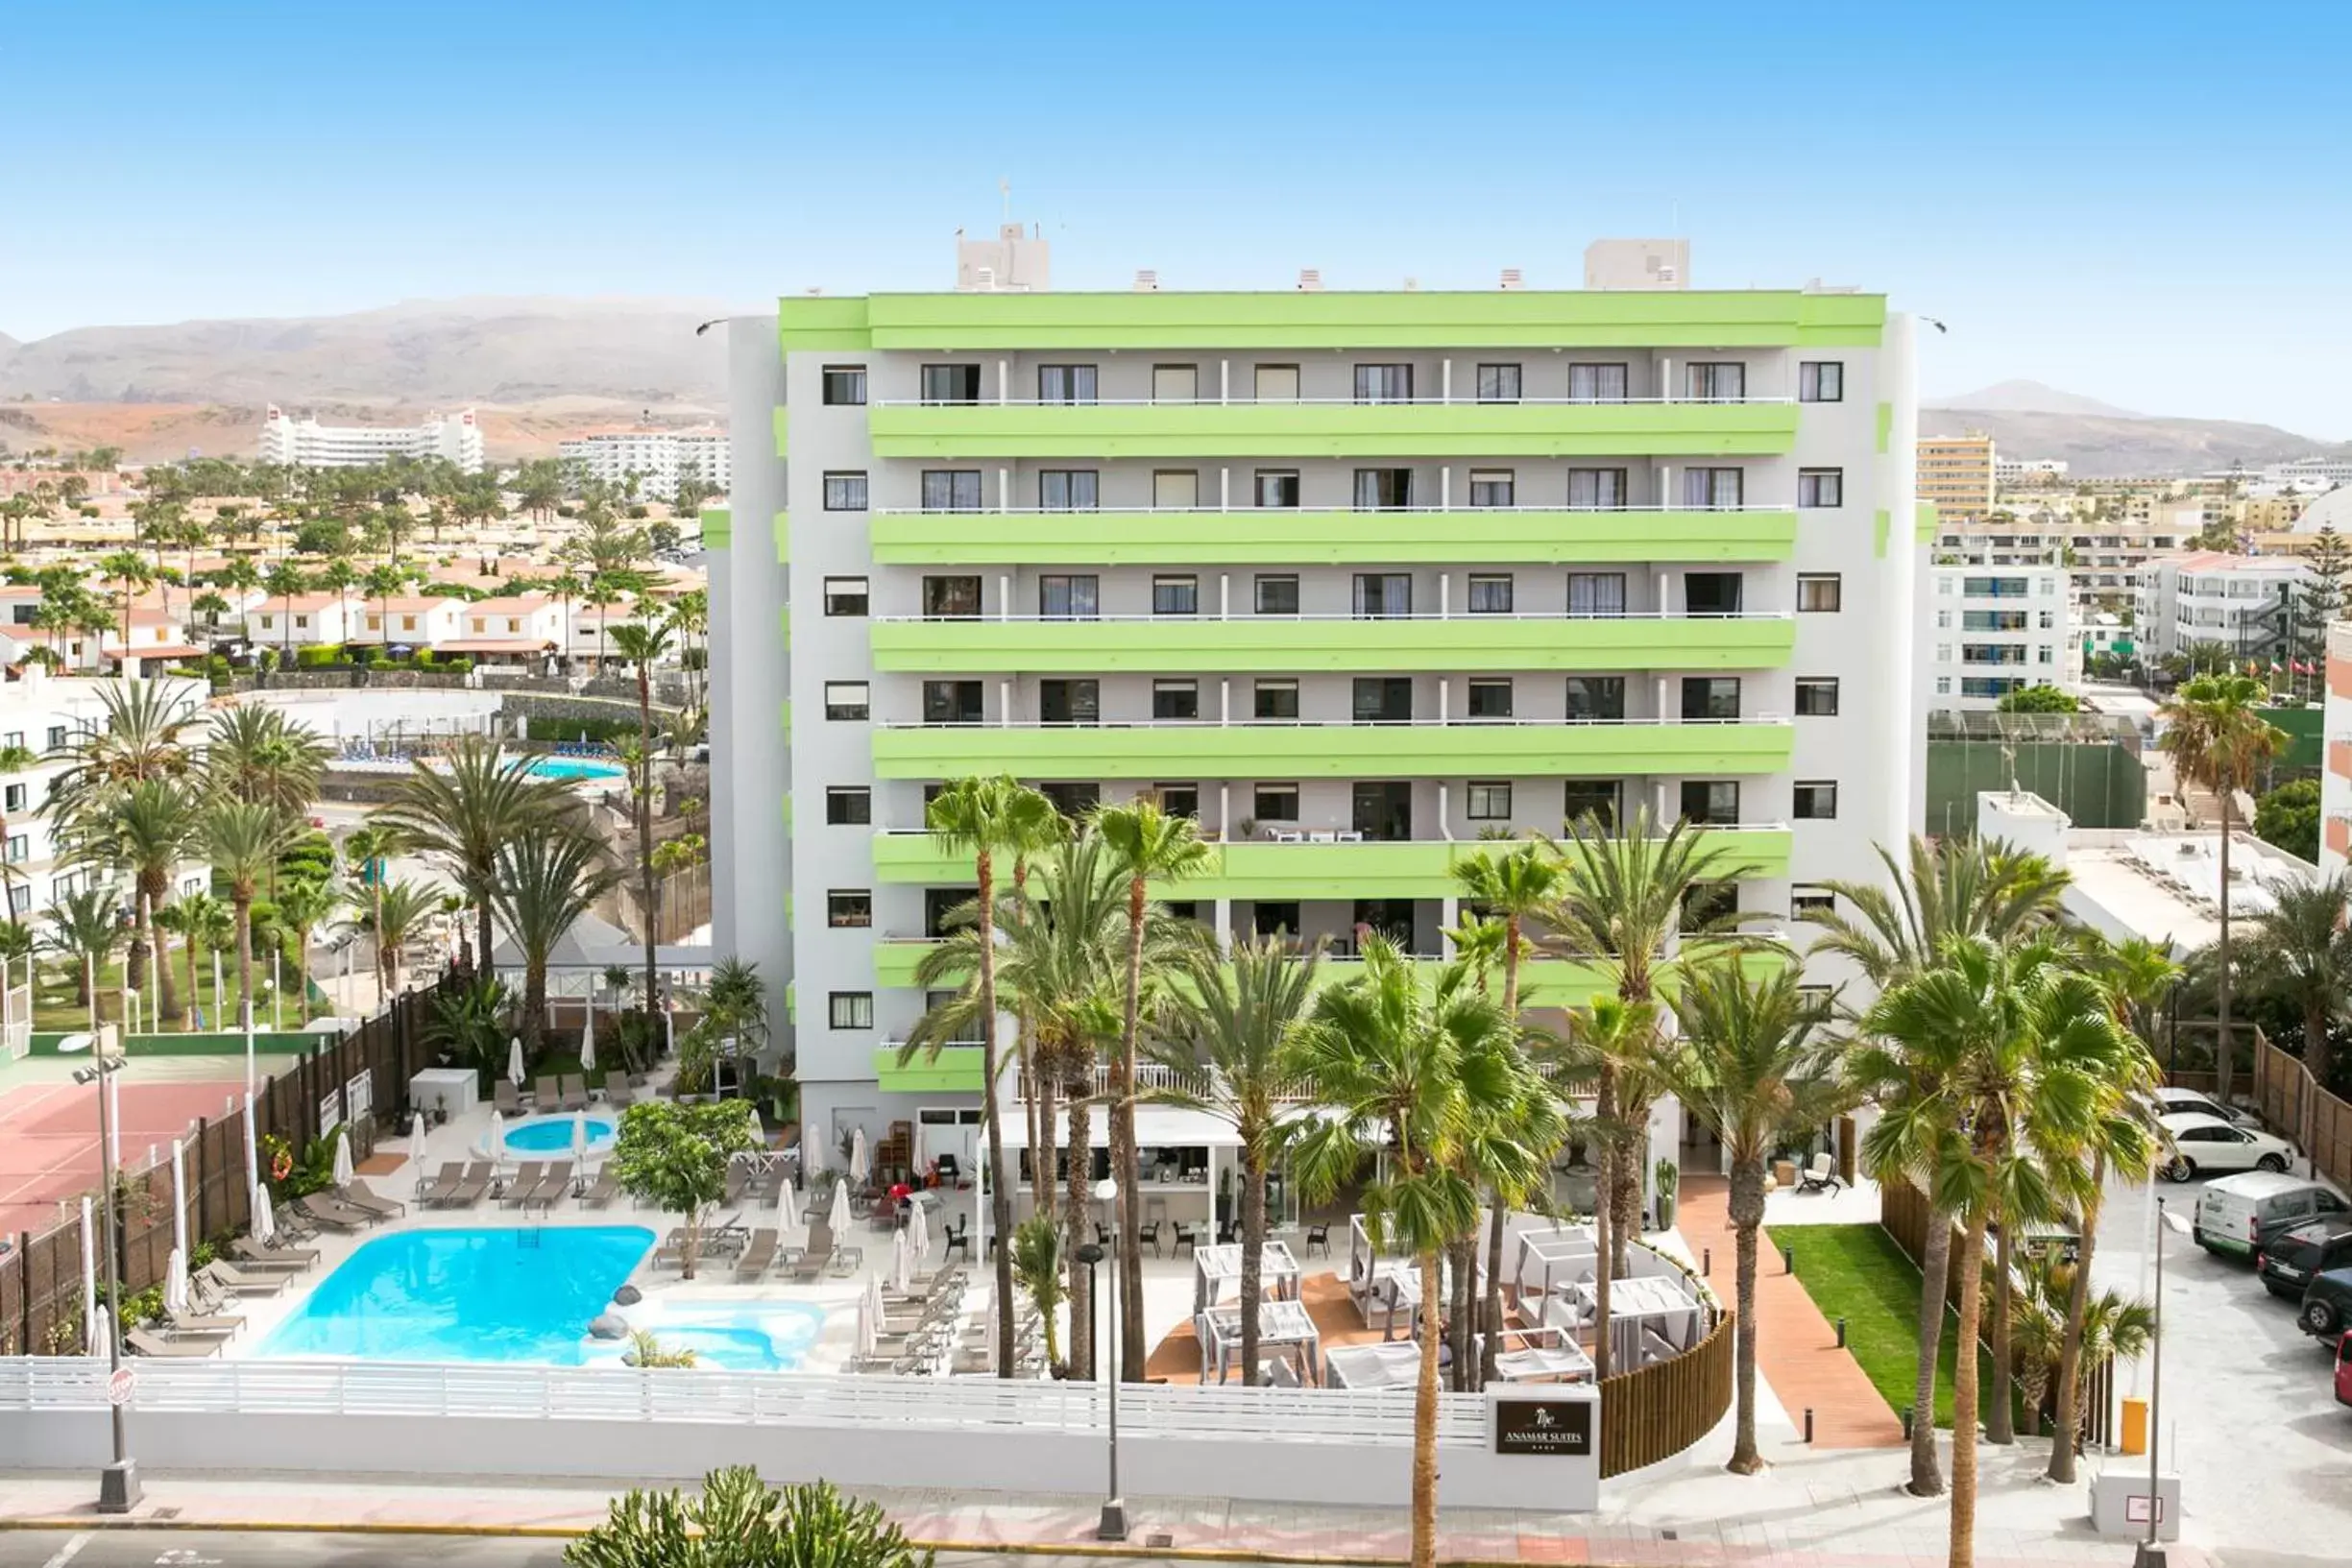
[48,1137]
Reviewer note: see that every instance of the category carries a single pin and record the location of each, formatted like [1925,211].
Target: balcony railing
[1286,724]
[1277,512]
[1315,402]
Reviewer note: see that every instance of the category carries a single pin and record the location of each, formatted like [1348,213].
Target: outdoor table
[1282,1325]
[1391,1365]
[1216,1267]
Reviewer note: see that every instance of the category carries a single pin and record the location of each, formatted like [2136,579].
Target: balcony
[955,1069]
[1305,536]
[1318,866]
[1299,645]
[1298,428]
[1499,749]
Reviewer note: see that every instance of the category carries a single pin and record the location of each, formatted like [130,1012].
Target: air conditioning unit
[1311,279]
[1147,281]
[1514,278]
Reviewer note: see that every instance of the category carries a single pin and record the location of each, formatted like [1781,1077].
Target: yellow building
[1956,473]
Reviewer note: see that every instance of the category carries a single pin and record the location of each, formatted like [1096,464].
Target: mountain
[2034,397]
[2099,440]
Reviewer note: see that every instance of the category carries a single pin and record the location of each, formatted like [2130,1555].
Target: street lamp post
[1113,1527]
[2152,1553]
[118,1483]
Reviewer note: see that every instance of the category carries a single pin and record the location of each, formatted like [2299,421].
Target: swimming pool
[742,1336]
[466,1296]
[553,1134]
[572,769]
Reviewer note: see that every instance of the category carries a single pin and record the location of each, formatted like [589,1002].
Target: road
[207,1548]
[2249,1408]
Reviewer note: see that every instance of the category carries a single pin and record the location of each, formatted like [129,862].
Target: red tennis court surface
[49,1139]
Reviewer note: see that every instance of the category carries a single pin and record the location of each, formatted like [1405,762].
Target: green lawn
[1858,1273]
[55,1008]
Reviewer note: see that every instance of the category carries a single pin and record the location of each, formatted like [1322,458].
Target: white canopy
[595,944]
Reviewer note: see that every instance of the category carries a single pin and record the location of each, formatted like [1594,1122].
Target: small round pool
[574,769]
[538,1135]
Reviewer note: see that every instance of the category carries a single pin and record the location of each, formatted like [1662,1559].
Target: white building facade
[656,457]
[2242,603]
[306,444]
[1988,629]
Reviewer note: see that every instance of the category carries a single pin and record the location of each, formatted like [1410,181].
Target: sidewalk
[1822,1509]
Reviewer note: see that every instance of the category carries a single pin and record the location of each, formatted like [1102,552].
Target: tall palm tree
[983,817]
[2020,1041]
[339,577]
[257,754]
[1605,1042]
[304,905]
[2217,737]
[367,854]
[1149,844]
[85,927]
[464,811]
[282,582]
[131,572]
[545,879]
[140,734]
[644,646]
[1221,1034]
[1407,1072]
[145,831]
[243,841]
[1034,836]
[1756,1066]
[193,918]
[401,910]
[2301,952]
[2113,1324]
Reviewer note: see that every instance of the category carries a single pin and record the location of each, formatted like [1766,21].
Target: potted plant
[1669,1177]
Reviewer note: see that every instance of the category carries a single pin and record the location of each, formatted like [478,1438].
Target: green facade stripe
[1886,424]
[1284,534]
[1304,430]
[783,432]
[1278,644]
[1884,526]
[717,527]
[1338,319]
[782,525]
[955,1069]
[1922,522]
[1314,751]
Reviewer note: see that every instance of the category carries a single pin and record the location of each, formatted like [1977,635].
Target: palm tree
[644,646]
[982,816]
[401,910]
[1756,1068]
[255,753]
[2301,952]
[1606,1042]
[367,853]
[1222,1035]
[85,926]
[1148,845]
[2113,1324]
[130,571]
[243,841]
[304,905]
[2219,738]
[545,879]
[339,577]
[146,832]
[282,582]
[1405,1072]
[464,811]
[2019,1041]
[140,734]
[193,918]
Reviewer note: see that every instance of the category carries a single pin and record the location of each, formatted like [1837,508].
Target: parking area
[2263,1449]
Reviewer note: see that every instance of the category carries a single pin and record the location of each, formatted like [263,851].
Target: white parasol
[514,1061]
[858,1166]
[588,1038]
[873,1297]
[343,1159]
[179,1195]
[918,1233]
[901,1275]
[264,1223]
[102,1332]
[579,1137]
[787,1205]
[838,1216]
[253,1147]
[175,1282]
[498,1136]
[89,1266]
[866,1328]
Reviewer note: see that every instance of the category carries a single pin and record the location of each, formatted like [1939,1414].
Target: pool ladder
[530,1237]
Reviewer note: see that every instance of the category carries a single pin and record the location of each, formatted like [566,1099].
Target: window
[1277,383]
[1716,381]
[1821,487]
[1382,593]
[850,1009]
[951,383]
[1276,699]
[1590,799]
[1943,619]
[15,795]
[1596,593]
[1383,699]
[2043,654]
[12,740]
[1490,698]
[1820,381]
[1070,701]
[1806,899]
[1596,699]
[1498,384]
[1277,593]
[56,736]
[1815,799]
[1492,487]
[849,907]
[1175,490]
[845,386]
[1943,685]
[849,805]
[303,623]
[1711,697]
[2049,620]
[1175,699]
[846,699]
[1711,801]
[951,599]
[1599,489]
[1713,592]
[1489,594]
[20,899]
[1277,487]
[19,848]
[1069,598]
[845,596]
[1066,489]
[1269,917]
[1383,489]
[1072,800]
[845,493]
[1065,384]
[1179,799]
[1275,803]
[951,490]
[1176,596]
[1819,592]
[1589,383]
[1817,697]
[1711,488]
[1490,800]
[1384,383]
[267,622]
[1176,383]
[951,702]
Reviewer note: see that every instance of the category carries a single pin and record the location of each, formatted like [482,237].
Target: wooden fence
[40,1276]
[2298,1109]
[1656,1411]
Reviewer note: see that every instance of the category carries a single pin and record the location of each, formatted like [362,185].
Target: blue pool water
[466,1296]
[552,1135]
[573,767]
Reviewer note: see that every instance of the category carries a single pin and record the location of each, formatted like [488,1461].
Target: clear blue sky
[2149,204]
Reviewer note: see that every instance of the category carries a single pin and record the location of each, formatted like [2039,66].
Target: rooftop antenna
[1004,188]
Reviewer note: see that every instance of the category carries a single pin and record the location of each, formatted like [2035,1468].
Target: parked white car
[2171,1101]
[2207,1146]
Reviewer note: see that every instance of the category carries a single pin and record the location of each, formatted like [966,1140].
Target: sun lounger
[254,1254]
[606,1189]
[616,1090]
[738,1177]
[575,1092]
[145,1343]
[758,1256]
[333,1213]
[443,1187]
[554,1182]
[813,1260]
[525,1184]
[478,1178]
[360,1195]
[847,1261]
[507,1099]
[219,1325]
[547,1094]
[234,1280]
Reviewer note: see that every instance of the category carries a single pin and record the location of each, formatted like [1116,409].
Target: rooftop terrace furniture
[219,1325]
[228,1278]
[525,1182]
[758,1256]
[360,1195]
[261,1254]
[146,1343]
[444,1187]
[333,1213]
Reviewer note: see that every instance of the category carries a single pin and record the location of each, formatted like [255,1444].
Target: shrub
[317,658]
[639,512]
[739,1521]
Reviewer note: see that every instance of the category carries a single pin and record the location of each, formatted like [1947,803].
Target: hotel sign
[1554,1427]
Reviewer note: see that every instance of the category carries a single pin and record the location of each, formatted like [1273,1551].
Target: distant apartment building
[1990,629]
[656,457]
[2026,470]
[306,444]
[1956,473]
[2245,603]
[2336,773]
[2317,473]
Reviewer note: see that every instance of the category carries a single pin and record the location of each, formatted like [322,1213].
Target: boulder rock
[609,1326]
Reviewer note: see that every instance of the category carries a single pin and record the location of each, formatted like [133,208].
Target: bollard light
[1707,1264]
[1809,1424]
[1788,1260]
[1841,1334]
